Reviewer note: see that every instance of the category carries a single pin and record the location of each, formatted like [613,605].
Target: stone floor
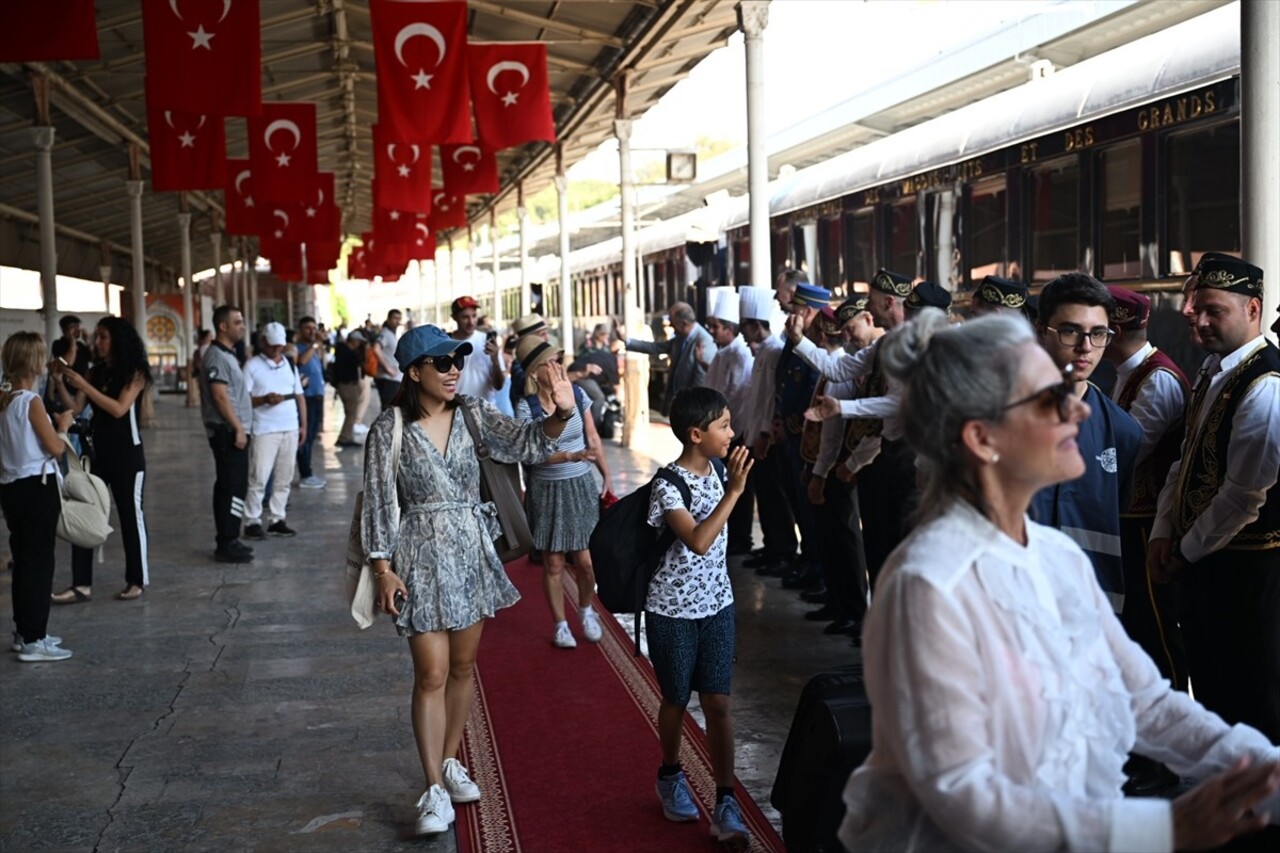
[238,707]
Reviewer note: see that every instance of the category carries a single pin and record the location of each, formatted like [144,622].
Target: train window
[830,257]
[1055,219]
[1203,194]
[1120,210]
[904,237]
[860,246]
[987,227]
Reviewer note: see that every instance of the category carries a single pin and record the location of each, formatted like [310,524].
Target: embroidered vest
[1149,476]
[875,385]
[811,433]
[1204,456]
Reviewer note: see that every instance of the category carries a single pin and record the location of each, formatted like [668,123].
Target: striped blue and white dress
[562,501]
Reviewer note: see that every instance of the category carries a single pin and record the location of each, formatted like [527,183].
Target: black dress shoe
[799,580]
[825,613]
[814,595]
[757,560]
[773,569]
[843,626]
[740,550]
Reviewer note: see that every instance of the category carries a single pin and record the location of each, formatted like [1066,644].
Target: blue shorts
[691,654]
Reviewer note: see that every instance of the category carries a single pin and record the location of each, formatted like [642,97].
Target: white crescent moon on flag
[282,215]
[462,148]
[226,7]
[416,152]
[426,232]
[498,67]
[321,191]
[437,198]
[168,119]
[282,124]
[240,178]
[201,124]
[391,151]
[419,29]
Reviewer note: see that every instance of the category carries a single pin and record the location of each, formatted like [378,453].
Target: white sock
[562,623]
[583,611]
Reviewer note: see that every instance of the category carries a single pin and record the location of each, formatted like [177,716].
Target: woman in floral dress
[429,539]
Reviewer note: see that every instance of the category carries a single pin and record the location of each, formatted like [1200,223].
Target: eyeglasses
[445,363]
[1070,336]
[1058,395]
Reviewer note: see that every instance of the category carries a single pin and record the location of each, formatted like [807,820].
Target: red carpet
[564,744]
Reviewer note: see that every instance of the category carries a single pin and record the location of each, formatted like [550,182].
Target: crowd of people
[1034,567]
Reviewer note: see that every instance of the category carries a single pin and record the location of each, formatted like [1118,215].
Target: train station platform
[239,707]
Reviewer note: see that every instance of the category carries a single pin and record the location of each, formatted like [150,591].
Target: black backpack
[626,551]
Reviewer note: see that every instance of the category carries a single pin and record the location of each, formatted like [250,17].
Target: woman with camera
[1006,696]
[429,539]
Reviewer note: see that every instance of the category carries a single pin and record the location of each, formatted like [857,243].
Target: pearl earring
[995,457]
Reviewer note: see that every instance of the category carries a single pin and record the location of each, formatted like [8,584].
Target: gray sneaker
[49,638]
[312,482]
[42,650]
[677,799]
[727,825]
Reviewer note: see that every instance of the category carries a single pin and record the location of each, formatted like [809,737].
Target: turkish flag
[447,211]
[242,211]
[204,56]
[357,266]
[318,217]
[317,275]
[323,255]
[421,56]
[511,94]
[468,170]
[282,151]
[188,152]
[423,247]
[49,31]
[391,225]
[279,223]
[285,257]
[384,258]
[402,171]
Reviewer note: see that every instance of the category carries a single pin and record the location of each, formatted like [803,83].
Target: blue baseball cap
[425,341]
[812,296]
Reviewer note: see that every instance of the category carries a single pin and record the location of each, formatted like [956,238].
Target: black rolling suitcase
[830,736]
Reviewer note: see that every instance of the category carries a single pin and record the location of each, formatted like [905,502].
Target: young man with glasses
[1075,329]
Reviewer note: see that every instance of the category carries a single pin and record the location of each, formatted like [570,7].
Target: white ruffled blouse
[1005,698]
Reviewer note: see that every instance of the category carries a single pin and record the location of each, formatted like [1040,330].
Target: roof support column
[753,17]
[636,376]
[138,298]
[471,261]
[219,289]
[253,288]
[453,275]
[188,302]
[288,304]
[435,289]
[42,136]
[1259,145]
[497,267]
[566,284]
[526,290]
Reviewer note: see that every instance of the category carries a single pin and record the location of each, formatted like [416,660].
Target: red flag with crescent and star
[242,207]
[468,170]
[323,255]
[285,257]
[205,56]
[188,152]
[423,247]
[382,258]
[511,94]
[447,211]
[318,217]
[279,223]
[357,267]
[421,54]
[391,225]
[282,151]
[402,173]
[41,32]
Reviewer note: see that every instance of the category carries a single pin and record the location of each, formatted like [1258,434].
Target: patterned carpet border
[490,822]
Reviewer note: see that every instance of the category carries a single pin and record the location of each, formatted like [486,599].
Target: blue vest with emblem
[794,392]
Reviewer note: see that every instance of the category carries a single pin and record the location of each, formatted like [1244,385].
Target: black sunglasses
[1059,395]
[445,363]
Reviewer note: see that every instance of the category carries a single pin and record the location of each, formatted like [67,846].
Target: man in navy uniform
[1217,526]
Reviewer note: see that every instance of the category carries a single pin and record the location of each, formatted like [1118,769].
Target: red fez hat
[1132,309]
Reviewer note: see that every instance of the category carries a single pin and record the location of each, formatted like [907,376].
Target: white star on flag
[283,159]
[403,170]
[200,38]
[422,80]
[509,99]
[187,140]
[468,167]
[311,212]
[395,215]
[279,234]
[248,201]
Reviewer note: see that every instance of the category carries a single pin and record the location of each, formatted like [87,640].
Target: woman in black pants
[29,450]
[120,374]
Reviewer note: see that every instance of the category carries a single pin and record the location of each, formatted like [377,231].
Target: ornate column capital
[135,188]
[622,129]
[753,17]
[42,136]
[562,184]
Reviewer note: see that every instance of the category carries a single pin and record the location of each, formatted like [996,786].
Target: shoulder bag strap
[482,449]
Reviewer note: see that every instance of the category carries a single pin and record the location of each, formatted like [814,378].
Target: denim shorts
[691,654]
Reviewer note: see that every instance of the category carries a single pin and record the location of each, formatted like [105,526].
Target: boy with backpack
[690,621]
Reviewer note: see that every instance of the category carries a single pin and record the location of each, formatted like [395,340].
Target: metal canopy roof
[319,51]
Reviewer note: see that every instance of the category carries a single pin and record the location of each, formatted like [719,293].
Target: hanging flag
[318,217]
[285,257]
[47,32]
[468,170]
[323,255]
[511,93]
[391,225]
[423,247]
[279,223]
[402,171]
[282,151]
[447,211]
[188,152]
[356,266]
[242,211]
[317,275]
[204,57]
[420,51]
[382,258]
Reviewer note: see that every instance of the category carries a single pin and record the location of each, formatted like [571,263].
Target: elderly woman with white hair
[1005,694]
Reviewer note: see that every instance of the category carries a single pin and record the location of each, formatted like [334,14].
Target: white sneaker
[458,782]
[591,627]
[564,637]
[435,812]
[42,650]
[312,482]
[18,644]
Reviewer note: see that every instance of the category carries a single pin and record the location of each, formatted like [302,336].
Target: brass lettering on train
[1177,110]
[1030,152]
[942,178]
[1079,138]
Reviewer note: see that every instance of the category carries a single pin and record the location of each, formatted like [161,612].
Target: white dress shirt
[764,382]
[1253,460]
[730,374]
[839,366]
[833,429]
[1006,698]
[1158,405]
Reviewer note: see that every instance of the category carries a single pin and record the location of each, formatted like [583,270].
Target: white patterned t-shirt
[686,585]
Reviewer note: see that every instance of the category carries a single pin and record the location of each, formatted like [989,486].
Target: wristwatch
[562,416]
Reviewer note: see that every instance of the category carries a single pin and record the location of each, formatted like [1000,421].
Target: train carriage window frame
[910,224]
[1066,237]
[1118,210]
[978,220]
[861,251]
[1177,257]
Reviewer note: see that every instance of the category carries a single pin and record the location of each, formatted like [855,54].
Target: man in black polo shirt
[227,411]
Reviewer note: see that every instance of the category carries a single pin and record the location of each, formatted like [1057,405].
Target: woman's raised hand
[561,387]
[1221,807]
